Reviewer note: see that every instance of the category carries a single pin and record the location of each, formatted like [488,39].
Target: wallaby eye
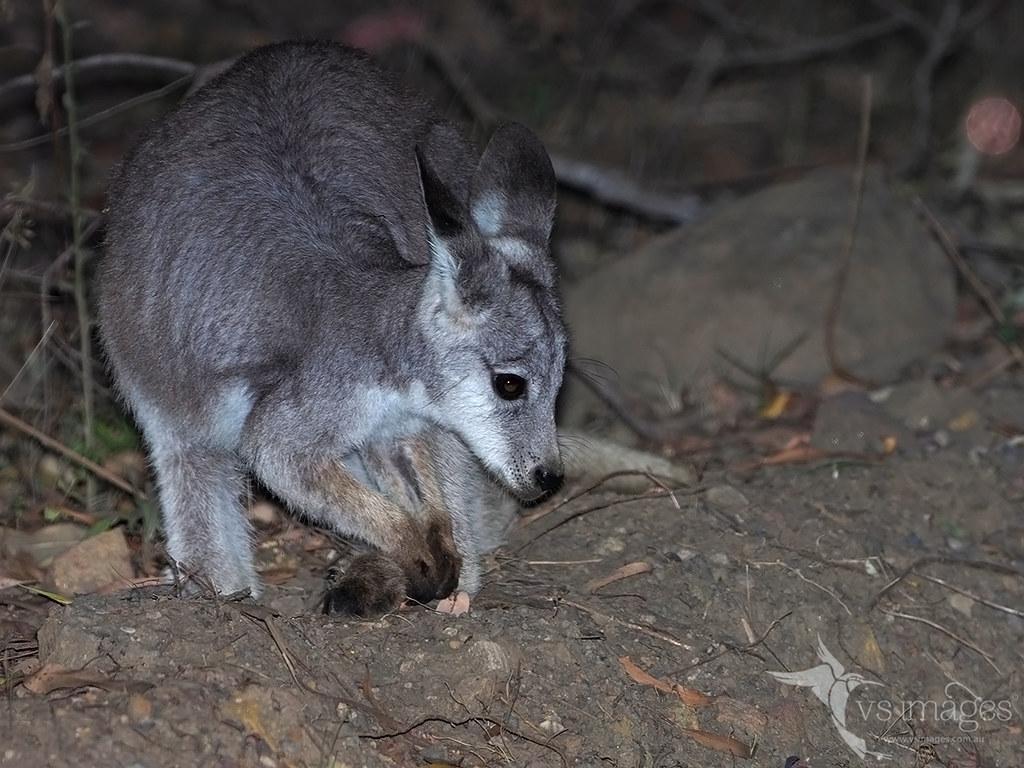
[509,386]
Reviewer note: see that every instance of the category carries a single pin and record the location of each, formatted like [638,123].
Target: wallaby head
[490,312]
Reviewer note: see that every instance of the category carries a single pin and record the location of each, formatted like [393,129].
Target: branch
[130,67]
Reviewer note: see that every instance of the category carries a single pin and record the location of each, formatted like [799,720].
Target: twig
[616,190]
[612,503]
[104,114]
[40,210]
[814,49]
[475,720]
[642,628]
[799,574]
[983,293]
[735,648]
[590,489]
[28,361]
[940,43]
[62,260]
[81,298]
[659,430]
[981,565]
[607,186]
[106,475]
[99,68]
[976,598]
[948,632]
[832,315]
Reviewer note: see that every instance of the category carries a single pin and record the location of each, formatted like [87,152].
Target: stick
[832,316]
[949,633]
[45,440]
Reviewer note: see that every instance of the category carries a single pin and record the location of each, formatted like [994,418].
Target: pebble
[611,546]
[961,603]
[552,725]
[683,554]
[140,709]
[726,498]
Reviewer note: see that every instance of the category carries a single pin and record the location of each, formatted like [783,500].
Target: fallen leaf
[776,406]
[689,696]
[51,677]
[965,421]
[55,596]
[626,571]
[719,743]
[870,652]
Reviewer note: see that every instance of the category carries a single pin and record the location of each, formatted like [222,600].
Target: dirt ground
[905,571]
[842,583]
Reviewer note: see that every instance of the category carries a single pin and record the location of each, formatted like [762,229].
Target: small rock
[52,471]
[961,603]
[611,546]
[487,666]
[93,563]
[682,554]
[726,498]
[719,558]
[434,753]
[140,709]
[552,725]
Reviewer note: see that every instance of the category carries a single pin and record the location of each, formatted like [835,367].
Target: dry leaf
[689,696]
[625,572]
[776,406]
[871,653]
[718,742]
[51,677]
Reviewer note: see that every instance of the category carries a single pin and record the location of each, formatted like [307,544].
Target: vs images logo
[832,686]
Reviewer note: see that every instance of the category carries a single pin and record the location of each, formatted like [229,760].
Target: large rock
[759,273]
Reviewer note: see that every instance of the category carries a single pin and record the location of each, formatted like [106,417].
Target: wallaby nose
[547,480]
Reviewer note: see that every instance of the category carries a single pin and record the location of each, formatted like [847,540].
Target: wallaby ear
[512,194]
[444,161]
[443,150]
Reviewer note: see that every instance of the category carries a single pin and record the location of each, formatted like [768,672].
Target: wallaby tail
[589,457]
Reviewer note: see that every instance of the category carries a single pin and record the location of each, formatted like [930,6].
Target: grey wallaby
[306,271]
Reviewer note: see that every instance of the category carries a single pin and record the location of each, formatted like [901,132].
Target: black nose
[547,481]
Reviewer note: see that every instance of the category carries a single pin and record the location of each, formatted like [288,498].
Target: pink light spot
[993,126]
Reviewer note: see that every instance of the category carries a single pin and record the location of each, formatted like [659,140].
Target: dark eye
[509,386]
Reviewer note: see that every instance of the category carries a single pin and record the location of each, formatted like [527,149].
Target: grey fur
[303,260]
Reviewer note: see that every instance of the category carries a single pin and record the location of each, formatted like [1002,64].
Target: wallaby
[303,260]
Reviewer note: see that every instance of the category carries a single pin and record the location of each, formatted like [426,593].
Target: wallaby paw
[373,585]
[431,564]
